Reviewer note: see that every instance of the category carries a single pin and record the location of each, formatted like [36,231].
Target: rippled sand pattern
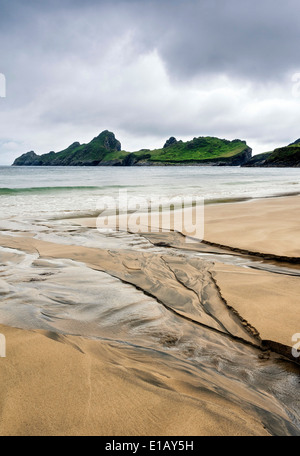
[149,313]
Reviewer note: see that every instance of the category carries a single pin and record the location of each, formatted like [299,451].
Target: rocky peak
[108,140]
[25,159]
[170,142]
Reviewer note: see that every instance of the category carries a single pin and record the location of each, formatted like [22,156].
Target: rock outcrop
[170,142]
[282,157]
[257,160]
[27,159]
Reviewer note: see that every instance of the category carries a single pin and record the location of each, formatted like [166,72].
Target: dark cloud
[147,69]
[252,40]
[247,39]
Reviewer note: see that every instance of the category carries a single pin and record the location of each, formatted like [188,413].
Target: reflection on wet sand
[157,302]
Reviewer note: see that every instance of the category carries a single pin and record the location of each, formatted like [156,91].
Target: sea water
[42,192]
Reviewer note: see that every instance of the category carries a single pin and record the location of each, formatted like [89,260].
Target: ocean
[42,192]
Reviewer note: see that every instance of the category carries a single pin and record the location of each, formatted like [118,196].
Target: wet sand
[186,332]
[268,225]
[57,385]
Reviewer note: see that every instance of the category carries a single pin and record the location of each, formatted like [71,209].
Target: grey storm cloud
[147,69]
[249,39]
[246,39]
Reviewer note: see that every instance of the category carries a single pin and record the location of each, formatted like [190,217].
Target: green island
[105,150]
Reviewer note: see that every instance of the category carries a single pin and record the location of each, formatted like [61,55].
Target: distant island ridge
[105,150]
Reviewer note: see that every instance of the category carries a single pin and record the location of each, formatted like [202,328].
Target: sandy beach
[57,385]
[235,295]
[150,221]
[267,225]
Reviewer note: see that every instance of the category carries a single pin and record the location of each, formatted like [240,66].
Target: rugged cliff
[288,156]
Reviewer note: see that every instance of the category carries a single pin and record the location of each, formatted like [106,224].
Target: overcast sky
[148,70]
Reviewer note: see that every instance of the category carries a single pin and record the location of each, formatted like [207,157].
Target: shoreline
[250,198]
[223,219]
[207,202]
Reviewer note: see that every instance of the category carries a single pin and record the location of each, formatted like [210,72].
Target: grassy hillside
[285,156]
[92,153]
[198,149]
[98,149]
